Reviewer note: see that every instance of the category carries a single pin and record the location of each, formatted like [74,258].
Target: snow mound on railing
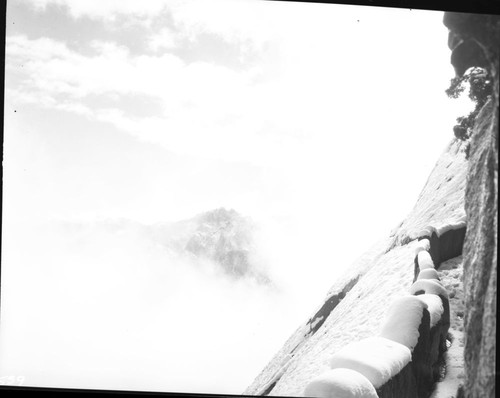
[428,273]
[459,222]
[403,320]
[428,286]
[440,228]
[423,245]
[425,260]
[434,306]
[377,358]
[340,383]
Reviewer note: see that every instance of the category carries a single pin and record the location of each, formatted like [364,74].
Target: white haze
[95,308]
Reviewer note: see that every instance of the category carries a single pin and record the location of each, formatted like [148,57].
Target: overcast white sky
[321,122]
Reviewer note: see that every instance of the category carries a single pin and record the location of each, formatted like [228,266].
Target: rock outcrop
[474,40]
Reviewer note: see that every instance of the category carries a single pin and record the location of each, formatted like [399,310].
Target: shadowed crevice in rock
[473,40]
[269,388]
[326,309]
[416,269]
[313,325]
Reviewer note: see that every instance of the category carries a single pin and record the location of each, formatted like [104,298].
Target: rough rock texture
[480,257]
[474,33]
[441,202]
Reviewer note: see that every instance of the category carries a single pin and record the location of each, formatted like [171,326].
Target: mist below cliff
[100,307]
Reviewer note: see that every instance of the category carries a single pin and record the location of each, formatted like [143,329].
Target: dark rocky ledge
[326,309]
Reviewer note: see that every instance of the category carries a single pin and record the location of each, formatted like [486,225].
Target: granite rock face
[480,256]
[474,40]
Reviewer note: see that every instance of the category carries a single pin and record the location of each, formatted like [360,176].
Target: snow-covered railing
[445,241]
[341,382]
[405,359]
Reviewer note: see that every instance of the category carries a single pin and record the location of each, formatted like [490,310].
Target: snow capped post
[434,294]
[403,320]
[428,274]
[408,322]
[423,260]
[434,306]
[429,286]
[438,331]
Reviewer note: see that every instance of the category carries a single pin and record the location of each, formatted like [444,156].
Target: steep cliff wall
[480,257]
[475,40]
[363,297]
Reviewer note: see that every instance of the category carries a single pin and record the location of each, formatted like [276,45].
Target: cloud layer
[304,86]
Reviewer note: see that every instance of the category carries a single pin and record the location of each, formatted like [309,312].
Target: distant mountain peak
[226,238]
[223,236]
[219,215]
